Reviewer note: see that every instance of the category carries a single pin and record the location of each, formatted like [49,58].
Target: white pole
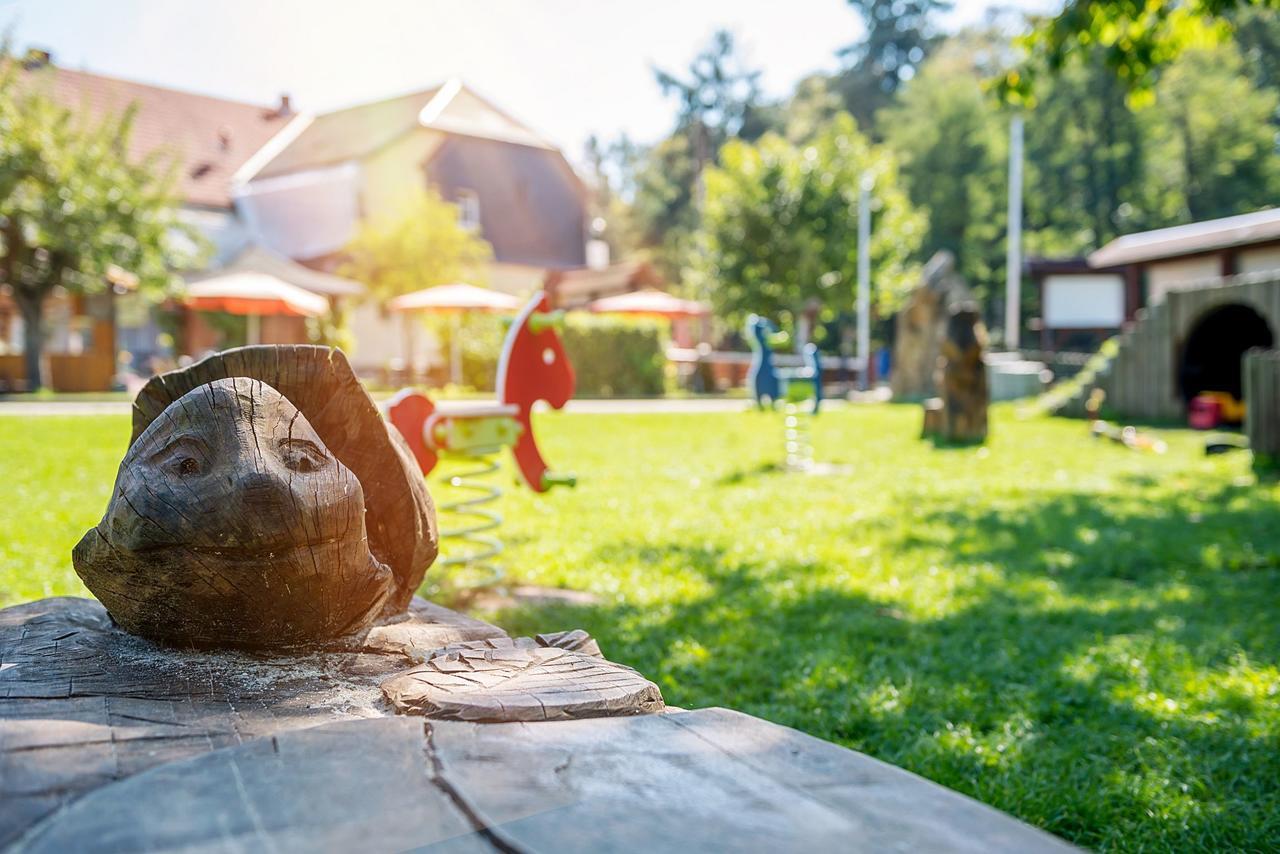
[253,329]
[864,278]
[1013,259]
[455,348]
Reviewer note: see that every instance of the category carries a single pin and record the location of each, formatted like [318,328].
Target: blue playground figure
[767,381]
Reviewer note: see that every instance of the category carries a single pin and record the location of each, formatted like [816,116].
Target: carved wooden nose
[262,491]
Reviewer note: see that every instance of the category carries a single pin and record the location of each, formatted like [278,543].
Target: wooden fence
[1142,380]
[1261,372]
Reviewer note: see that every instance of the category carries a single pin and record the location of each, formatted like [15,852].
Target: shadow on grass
[1111,676]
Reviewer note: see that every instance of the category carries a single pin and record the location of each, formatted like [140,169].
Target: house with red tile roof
[268,182]
[206,140]
[306,191]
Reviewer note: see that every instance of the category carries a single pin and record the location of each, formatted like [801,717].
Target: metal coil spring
[799,444]
[472,521]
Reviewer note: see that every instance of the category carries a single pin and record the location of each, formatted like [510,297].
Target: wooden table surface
[109,743]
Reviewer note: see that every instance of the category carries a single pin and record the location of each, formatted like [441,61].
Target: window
[469,209]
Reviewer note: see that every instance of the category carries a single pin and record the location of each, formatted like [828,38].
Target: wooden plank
[352,786]
[83,705]
[1262,398]
[707,780]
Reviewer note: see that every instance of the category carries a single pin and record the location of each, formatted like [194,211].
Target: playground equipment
[533,366]
[1131,437]
[792,386]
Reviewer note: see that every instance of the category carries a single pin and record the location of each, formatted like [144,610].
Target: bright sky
[567,68]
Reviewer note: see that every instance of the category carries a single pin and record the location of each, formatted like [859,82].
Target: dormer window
[469,209]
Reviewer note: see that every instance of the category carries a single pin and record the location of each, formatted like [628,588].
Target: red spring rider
[533,367]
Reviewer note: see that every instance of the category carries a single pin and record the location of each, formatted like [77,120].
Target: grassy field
[1081,635]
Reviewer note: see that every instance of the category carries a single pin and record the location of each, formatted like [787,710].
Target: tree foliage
[1214,135]
[1135,39]
[75,211]
[900,35]
[950,138]
[780,224]
[718,99]
[420,245]
[1088,175]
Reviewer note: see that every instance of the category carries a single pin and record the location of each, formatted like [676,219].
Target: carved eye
[301,455]
[185,456]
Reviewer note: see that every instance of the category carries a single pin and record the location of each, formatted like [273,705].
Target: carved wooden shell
[550,677]
[263,502]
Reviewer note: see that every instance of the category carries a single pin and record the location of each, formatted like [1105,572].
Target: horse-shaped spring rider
[792,386]
[533,366]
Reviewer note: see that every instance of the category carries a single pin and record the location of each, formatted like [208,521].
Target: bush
[612,357]
[482,336]
[615,357]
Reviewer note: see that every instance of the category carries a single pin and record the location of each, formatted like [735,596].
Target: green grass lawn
[1081,635]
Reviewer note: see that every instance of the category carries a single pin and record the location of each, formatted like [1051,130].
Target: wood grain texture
[232,525]
[921,326]
[704,780]
[962,380]
[552,677]
[400,518]
[84,704]
[108,742]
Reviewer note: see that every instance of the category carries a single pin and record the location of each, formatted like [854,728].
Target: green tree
[75,211]
[780,224]
[951,139]
[718,100]
[1213,135]
[1087,165]
[420,245]
[900,34]
[1134,39]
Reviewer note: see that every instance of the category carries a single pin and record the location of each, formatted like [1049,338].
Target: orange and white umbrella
[649,302]
[448,299]
[455,300]
[254,294]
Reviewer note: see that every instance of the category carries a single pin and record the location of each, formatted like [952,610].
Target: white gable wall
[1264,259]
[303,214]
[1179,275]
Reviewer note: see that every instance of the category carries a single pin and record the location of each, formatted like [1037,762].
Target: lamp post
[1013,256]
[864,277]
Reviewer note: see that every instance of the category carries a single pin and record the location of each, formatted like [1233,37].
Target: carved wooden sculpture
[263,502]
[921,326]
[961,414]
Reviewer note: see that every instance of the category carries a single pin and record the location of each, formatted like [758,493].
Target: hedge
[615,357]
[612,357]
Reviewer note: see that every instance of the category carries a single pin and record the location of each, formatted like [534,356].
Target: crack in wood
[489,833]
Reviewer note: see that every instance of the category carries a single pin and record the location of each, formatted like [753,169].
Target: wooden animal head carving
[247,516]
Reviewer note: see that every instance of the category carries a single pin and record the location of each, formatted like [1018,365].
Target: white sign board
[1083,301]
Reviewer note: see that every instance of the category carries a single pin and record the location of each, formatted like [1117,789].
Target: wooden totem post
[960,414]
[920,327]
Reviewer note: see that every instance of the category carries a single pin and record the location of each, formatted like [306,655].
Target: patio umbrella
[653,303]
[254,294]
[454,300]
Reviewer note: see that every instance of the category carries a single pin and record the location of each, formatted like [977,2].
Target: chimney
[285,108]
[36,58]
